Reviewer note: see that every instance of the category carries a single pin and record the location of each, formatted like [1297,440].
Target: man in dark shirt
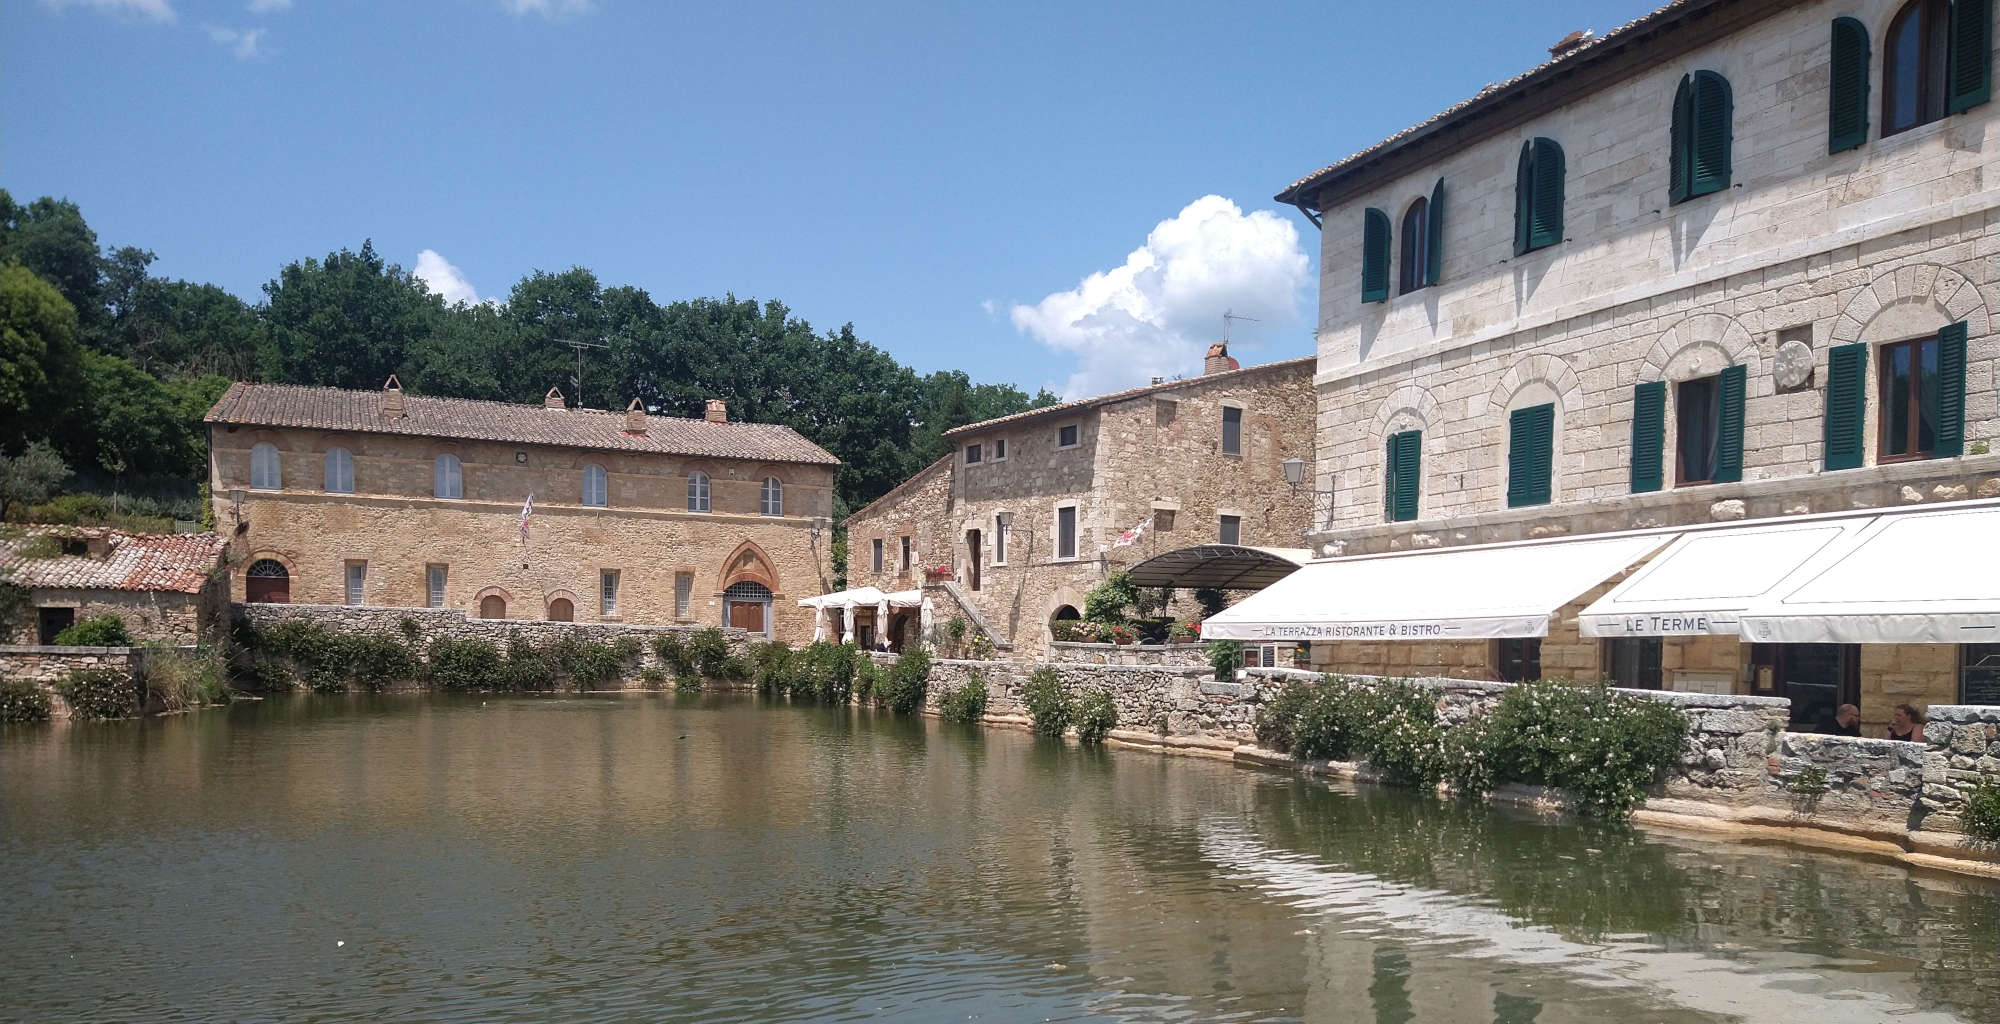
[1847,721]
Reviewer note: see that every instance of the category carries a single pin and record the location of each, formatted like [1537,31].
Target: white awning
[1918,577]
[859,597]
[1703,581]
[1499,590]
[906,599]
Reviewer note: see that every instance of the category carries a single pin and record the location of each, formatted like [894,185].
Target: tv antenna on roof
[576,381]
[1229,315]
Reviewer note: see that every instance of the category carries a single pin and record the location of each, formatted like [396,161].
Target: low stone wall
[1961,753]
[1166,701]
[47,664]
[1173,655]
[427,624]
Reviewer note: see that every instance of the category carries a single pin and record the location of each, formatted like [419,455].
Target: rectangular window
[908,556]
[1066,532]
[1979,674]
[357,578]
[875,555]
[1163,519]
[1846,405]
[1531,456]
[1698,416]
[683,595]
[1633,662]
[999,541]
[1230,531]
[608,592]
[434,579]
[1518,659]
[1232,430]
[999,449]
[1909,391]
[1066,436]
[972,455]
[1400,480]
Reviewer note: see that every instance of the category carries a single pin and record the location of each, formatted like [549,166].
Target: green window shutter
[1951,391]
[1846,405]
[1847,97]
[1677,144]
[1729,431]
[1713,111]
[1523,191]
[1547,202]
[1374,256]
[1649,432]
[1405,462]
[1434,230]
[1970,67]
[1530,455]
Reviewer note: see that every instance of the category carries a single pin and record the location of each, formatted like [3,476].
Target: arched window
[1538,196]
[697,491]
[1416,234]
[339,471]
[560,609]
[593,485]
[267,582]
[264,474]
[1374,255]
[1698,152]
[1402,476]
[774,497]
[446,480]
[1065,613]
[1914,58]
[493,606]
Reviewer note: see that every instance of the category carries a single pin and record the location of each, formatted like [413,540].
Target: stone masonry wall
[1962,752]
[1165,655]
[151,616]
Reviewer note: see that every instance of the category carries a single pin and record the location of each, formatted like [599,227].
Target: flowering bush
[1185,630]
[1095,715]
[1118,634]
[967,704]
[1982,813]
[1046,702]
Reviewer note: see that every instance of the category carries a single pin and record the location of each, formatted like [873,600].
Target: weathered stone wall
[1961,753]
[1162,700]
[1168,655]
[151,616]
[1873,784]
[48,664]
[397,529]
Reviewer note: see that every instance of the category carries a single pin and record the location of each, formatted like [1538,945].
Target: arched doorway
[560,610]
[493,606]
[267,582]
[1065,613]
[747,605]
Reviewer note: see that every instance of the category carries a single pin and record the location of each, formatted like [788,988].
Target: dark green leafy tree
[345,322]
[31,477]
[50,237]
[38,355]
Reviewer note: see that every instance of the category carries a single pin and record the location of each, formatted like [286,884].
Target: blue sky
[948,178]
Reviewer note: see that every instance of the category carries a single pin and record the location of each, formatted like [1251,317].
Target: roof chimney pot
[1218,360]
[718,411]
[392,397]
[553,400]
[635,418]
[1575,40]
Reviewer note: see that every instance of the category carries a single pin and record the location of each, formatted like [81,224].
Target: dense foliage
[1225,656]
[967,703]
[99,693]
[183,679]
[1095,716]
[1046,701]
[22,701]
[102,631]
[902,688]
[1982,813]
[115,367]
[1602,747]
[820,671]
[1106,602]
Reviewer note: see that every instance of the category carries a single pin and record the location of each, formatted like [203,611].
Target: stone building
[519,511]
[1025,517]
[167,588]
[1677,275]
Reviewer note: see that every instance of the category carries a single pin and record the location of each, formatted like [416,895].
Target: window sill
[610,618]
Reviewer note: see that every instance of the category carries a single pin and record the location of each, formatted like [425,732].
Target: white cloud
[245,43]
[438,274]
[549,8]
[267,6]
[153,10]
[1157,314]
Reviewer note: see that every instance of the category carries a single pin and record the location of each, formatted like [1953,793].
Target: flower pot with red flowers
[1123,636]
[1184,632]
[937,575]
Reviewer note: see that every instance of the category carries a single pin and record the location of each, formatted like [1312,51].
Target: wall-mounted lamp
[1295,472]
[819,525]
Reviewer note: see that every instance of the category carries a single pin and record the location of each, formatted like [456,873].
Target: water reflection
[707,859]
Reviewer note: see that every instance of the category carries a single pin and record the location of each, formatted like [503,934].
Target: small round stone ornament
[1793,365]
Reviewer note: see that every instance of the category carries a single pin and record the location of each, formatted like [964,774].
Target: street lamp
[1295,472]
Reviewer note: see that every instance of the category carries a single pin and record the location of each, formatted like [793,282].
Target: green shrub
[185,679]
[674,653]
[1225,656]
[1808,781]
[103,631]
[465,663]
[1278,720]
[654,678]
[966,704]
[1106,603]
[709,650]
[1073,631]
[772,668]
[1095,715]
[824,672]
[1601,746]
[1982,813]
[375,661]
[901,689]
[1047,703]
[1329,722]
[99,693]
[687,682]
[22,701]
[867,675]
[1400,732]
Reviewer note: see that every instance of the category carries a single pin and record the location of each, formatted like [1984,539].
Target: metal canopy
[1224,566]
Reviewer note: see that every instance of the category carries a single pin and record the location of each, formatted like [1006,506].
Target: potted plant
[1184,632]
[938,574]
[1123,636]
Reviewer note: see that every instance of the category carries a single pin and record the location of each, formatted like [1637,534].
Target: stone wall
[46,664]
[1167,655]
[1962,752]
[151,616]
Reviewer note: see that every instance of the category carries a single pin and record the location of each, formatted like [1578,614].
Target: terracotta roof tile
[1118,396]
[130,561]
[286,405]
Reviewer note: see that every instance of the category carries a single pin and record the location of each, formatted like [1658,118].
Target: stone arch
[1699,346]
[1540,368]
[549,606]
[750,563]
[1911,301]
[1064,597]
[501,594]
[1408,407]
[260,587]
[1529,382]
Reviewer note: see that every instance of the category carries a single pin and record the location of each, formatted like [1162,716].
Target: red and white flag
[1131,536]
[527,509]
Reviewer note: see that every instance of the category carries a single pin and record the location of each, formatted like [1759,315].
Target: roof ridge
[1119,396]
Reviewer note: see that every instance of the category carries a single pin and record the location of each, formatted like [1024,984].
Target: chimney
[1571,42]
[718,411]
[1218,360]
[553,400]
[392,397]
[635,418]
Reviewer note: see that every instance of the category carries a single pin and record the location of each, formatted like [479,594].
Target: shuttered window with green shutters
[1538,196]
[1729,425]
[1847,93]
[1649,432]
[1374,255]
[1846,405]
[1970,68]
[1530,455]
[1699,150]
[1402,480]
[1434,251]
[1951,391]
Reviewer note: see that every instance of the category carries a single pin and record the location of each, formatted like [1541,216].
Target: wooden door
[972,558]
[747,615]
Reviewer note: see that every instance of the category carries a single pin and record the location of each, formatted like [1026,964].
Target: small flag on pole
[527,509]
[1131,536]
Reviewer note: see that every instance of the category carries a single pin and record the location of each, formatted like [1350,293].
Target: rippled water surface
[659,858]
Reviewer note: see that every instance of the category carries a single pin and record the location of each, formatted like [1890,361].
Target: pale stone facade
[1807,250]
[1151,456]
[397,530]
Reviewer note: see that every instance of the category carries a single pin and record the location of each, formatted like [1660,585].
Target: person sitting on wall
[1847,721]
[1906,723]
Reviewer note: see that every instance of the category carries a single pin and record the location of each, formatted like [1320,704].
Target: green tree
[132,420]
[346,322]
[38,355]
[31,477]
[51,238]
